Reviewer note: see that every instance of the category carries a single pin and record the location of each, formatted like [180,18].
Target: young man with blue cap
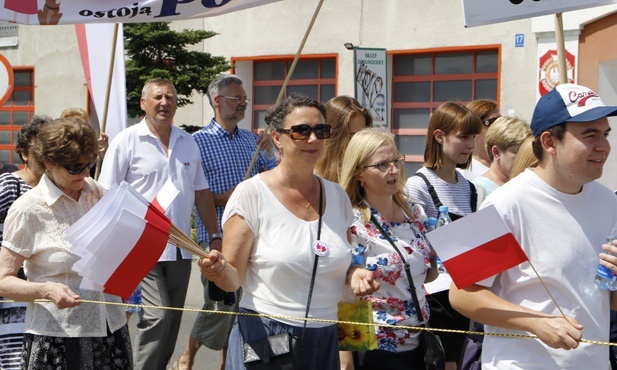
[560,216]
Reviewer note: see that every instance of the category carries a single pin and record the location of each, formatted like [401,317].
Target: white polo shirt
[138,157]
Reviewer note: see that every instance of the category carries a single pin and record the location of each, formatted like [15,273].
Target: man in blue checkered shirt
[226,153]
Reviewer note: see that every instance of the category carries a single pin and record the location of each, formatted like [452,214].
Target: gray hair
[156,82]
[220,82]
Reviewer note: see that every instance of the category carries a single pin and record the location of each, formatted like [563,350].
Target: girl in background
[450,141]
[346,117]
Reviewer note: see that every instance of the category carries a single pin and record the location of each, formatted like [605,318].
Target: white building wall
[277,29]
[59,78]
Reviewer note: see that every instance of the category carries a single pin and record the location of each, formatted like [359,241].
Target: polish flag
[165,196]
[119,240]
[95,47]
[476,247]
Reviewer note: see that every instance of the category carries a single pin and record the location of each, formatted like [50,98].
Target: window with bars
[422,81]
[15,112]
[313,76]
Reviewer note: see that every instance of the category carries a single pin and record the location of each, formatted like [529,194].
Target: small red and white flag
[119,240]
[476,247]
[165,196]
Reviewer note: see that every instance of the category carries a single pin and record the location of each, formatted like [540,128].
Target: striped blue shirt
[225,159]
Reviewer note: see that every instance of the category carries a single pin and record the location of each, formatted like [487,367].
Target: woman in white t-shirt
[271,225]
[452,130]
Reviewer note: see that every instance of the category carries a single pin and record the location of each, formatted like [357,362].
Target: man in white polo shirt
[146,155]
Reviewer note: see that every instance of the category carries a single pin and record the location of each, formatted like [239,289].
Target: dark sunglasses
[303,132]
[77,168]
[490,121]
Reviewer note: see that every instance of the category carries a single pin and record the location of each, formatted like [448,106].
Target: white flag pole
[561,49]
[107,93]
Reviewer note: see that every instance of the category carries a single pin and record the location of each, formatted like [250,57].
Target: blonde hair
[340,110]
[361,147]
[524,159]
[450,118]
[505,132]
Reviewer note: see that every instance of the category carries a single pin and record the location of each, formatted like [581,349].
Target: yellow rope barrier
[414,328]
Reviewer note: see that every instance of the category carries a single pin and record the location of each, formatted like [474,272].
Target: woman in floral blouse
[373,177]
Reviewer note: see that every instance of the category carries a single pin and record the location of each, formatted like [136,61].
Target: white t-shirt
[562,235]
[456,196]
[281,260]
[139,158]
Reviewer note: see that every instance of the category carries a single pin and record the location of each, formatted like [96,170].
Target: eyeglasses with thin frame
[238,99]
[77,168]
[303,132]
[387,165]
[490,121]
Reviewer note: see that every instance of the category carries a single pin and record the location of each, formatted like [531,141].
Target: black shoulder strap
[412,287]
[431,190]
[474,196]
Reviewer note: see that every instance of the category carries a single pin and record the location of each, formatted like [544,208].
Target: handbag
[356,337]
[434,355]
[281,351]
[273,352]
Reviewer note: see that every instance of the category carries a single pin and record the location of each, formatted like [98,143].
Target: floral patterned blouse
[392,303]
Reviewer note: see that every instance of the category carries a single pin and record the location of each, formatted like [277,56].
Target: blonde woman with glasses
[373,177]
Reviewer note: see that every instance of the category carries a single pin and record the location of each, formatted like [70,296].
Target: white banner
[52,12]
[95,43]
[482,12]
[371,78]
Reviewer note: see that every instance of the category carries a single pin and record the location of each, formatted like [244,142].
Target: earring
[363,183]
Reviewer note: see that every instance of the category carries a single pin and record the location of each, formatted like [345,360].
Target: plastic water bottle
[605,278]
[442,220]
[431,224]
[134,299]
[444,217]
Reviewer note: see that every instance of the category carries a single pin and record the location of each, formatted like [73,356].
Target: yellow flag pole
[561,49]
[265,138]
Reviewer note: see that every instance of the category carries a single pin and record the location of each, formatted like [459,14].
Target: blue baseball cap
[568,103]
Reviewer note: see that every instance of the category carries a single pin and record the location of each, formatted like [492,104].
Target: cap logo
[581,97]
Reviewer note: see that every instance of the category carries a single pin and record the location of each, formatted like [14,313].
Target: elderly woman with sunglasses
[271,246]
[60,333]
[373,177]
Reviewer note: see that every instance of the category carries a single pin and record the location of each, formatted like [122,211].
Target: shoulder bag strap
[414,296]
[474,196]
[431,190]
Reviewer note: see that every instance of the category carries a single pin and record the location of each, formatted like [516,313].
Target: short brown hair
[557,132]
[64,141]
[276,115]
[450,118]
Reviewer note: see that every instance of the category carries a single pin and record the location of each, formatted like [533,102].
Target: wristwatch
[215,236]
